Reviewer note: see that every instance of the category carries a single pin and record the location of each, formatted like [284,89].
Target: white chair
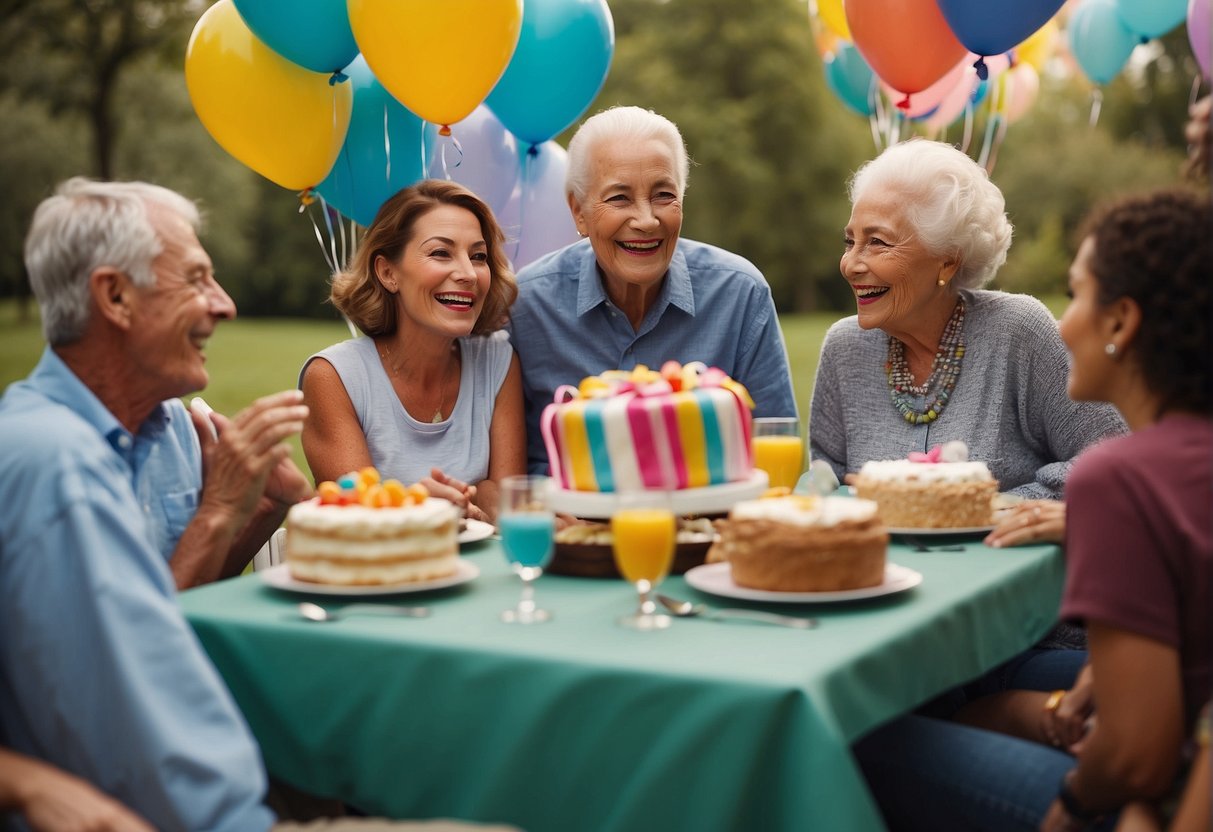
[271,553]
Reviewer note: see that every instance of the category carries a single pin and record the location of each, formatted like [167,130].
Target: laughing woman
[428,394]
[931,357]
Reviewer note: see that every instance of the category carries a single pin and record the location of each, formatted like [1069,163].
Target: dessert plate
[713,499]
[476,530]
[717,579]
[941,532]
[279,577]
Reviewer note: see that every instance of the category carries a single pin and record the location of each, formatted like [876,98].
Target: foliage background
[96,87]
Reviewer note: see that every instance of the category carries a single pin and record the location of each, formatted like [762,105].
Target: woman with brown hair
[429,393]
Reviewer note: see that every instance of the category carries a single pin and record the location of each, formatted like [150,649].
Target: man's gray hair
[633,124]
[87,225]
[953,207]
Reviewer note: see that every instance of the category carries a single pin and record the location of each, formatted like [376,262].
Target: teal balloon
[313,33]
[850,78]
[1100,40]
[382,151]
[564,52]
[1152,18]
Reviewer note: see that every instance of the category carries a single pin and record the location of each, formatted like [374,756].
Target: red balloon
[906,42]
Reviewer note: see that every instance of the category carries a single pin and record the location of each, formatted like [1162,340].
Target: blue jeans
[930,774]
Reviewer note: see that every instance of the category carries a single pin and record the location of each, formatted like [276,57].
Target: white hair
[953,207]
[633,124]
[87,225]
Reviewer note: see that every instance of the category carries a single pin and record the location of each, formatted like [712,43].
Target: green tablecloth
[580,724]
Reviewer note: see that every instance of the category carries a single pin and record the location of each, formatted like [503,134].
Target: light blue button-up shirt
[714,307]
[99,672]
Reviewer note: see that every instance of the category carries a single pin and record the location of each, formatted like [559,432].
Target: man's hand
[250,458]
[55,801]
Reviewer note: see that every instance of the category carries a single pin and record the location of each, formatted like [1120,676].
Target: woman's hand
[1032,521]
[1067,719]
[456,491]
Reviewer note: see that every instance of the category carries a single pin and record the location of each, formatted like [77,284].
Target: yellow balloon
[833,16]
[439,58]
[283,121]
[1038,46]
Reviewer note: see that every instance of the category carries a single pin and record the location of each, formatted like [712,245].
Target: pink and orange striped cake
[683,427]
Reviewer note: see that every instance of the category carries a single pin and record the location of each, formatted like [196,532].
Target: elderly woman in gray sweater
[931,357]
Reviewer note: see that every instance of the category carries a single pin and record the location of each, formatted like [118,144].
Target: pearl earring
[1110,349]
[942,283]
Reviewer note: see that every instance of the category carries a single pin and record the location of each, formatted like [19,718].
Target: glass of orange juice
[778,449]
[643,529]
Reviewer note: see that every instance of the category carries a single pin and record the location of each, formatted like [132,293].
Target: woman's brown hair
[360,296]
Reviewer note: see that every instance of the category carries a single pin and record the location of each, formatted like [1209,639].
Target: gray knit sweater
[1009,406]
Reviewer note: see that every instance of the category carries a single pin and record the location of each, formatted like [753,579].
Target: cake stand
[712,499]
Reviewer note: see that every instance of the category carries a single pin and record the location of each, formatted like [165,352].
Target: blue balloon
[1100,40]
[313,33]
[560,63]
[990,27]
[382,151]
[850,78]
[1152,18]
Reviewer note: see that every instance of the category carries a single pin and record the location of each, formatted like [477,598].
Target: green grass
[249,358]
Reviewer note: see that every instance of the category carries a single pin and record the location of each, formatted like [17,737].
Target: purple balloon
[1199,33]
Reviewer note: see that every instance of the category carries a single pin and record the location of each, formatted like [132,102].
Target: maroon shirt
[1139,542]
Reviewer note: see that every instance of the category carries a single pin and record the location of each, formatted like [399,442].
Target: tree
[75,53]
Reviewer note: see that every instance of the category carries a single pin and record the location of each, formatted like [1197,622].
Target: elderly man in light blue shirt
[634,292]
[108,497]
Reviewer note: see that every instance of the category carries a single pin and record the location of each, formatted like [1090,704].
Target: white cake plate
[712,499]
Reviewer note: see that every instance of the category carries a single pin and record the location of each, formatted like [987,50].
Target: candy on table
[365,488]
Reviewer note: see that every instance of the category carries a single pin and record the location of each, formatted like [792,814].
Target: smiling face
[632,213]
[1086,328]
[443,274]
[894,277]
[172,320]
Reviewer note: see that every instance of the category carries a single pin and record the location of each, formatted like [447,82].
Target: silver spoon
[686,609]
[315,612]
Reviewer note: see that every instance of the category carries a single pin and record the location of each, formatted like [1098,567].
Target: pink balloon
[1020,87]
[954,88]
[1199,33]
[953,104]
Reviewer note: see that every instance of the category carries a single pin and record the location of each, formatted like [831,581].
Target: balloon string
[425,165]
[967,136]
[875,113]
[387,146]
[1096,105]
[446,174]
[991,126]
[1194,95]
[523,194]
[320,240]
[328,224]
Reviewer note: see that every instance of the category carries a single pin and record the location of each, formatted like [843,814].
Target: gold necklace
[386,355]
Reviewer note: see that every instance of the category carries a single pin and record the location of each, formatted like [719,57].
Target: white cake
[354,545]
[804,544]
[929,493]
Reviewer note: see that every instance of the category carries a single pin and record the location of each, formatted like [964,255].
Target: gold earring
[942,283]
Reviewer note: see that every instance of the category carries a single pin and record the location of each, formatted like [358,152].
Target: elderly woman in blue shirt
[633,291]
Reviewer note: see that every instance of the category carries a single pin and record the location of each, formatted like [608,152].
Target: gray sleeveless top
[405,448]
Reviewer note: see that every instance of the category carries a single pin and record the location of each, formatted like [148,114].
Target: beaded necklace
[945,370]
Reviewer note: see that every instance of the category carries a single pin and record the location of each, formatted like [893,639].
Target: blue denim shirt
[99,672]
[714,307]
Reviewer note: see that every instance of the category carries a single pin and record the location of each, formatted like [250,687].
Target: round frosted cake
[929,493]
[366,537]
[804,544]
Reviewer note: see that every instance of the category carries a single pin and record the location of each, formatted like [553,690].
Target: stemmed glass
[528,529]
[778,449]
[643,530]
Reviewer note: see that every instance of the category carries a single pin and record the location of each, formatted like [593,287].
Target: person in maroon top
[1139,560]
